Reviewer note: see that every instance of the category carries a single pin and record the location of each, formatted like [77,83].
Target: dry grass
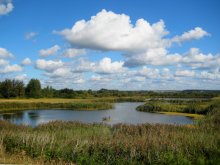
[194,116]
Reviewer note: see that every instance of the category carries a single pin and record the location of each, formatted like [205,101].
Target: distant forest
[17,89]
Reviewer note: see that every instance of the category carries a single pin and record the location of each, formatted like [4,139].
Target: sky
[112,44]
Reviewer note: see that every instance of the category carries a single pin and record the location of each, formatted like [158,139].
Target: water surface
[122,113]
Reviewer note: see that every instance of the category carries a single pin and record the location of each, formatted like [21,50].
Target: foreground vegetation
[72,142]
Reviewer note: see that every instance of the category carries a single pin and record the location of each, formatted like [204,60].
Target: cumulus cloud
[72,52]
[11,69]
[26,61]
[196,59]
[60,72]
[148,72]
[79,81]
[154,57]
[196,33]
[95,78]
[210,75]
[185,73]
[141,43]
[21,77]
[30,35]
[48,65]
[106,66]
[50,51]
[4,53]
[110,31]
[3,62]
[6,8]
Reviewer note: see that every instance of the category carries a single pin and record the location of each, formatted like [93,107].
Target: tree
[12,88]
[6,88]
[33,89]
[48,92]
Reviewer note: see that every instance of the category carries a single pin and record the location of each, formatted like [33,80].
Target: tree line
[11,88]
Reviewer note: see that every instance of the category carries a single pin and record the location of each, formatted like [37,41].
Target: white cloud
[26,61]
[213,75]
[142,43]
[110,31]
[21,77]
[3,62]
[95,78]
[147,72]
[5,8]
[30,35]
[11,68]
[79,81]
[185,73]
[166,74]
[196,59]
[83,65]
[49,65]
[60,72]
[106,66]
[196,33]
[4,53]
[49,51]
[72,52]
[154,57]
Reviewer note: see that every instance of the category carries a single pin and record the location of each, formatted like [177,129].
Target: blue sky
[127,45]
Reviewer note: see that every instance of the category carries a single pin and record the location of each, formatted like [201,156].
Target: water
[122,113]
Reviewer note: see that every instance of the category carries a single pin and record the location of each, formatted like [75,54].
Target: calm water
[122,113]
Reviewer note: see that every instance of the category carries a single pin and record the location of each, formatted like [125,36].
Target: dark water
[122,113]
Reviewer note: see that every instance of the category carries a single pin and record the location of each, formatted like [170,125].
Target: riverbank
[59,103]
